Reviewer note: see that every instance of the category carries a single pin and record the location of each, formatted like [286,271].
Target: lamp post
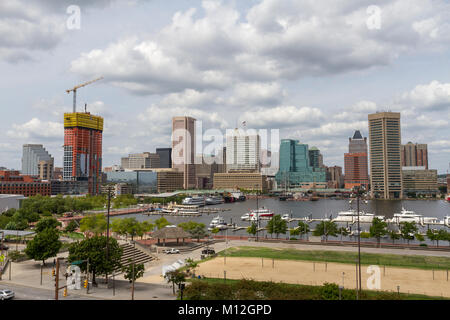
[107,228]
[257,212]
[358,192]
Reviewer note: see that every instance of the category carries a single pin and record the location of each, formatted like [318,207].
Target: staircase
[129,252]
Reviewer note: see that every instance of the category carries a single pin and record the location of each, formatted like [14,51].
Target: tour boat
[200,201]
[352,216]
[262,214]
[214,200]
[217,221]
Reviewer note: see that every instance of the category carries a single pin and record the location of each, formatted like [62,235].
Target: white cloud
[37,129]
[434,96]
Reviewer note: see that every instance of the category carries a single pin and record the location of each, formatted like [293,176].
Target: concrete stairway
[129,252]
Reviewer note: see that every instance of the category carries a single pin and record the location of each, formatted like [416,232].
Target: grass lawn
[406,261]
[74,235]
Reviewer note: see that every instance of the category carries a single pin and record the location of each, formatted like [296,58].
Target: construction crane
[74,89]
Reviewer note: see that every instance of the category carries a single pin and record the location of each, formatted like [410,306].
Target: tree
[303,228]
[276,225]
[343,232]
[326,228]
[94,249]
[253,229]
[71,227]
[393,235]
[191,264]
[44,245]
[419,237]
[378,229]
[161,223]
[118,227]
[444,235]
[197,230]
[132,227]
[146,227]
[408,230]
[433,236]
[47,223]
[95,224]
[176,277]
[139,270]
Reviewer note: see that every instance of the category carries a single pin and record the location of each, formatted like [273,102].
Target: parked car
[170,251]
[208,251]
[6,294]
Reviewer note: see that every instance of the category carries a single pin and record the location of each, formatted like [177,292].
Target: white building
[10,201]
[32,155]
[243,151]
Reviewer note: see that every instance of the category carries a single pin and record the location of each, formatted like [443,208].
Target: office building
[169,181]
[314,157]
[419,181]
[385,155]
[183,149]
[69,187]
[141,181]
[414,155]
[242,151]
[165,157]
[295,170]
[356,162]
[145,160]
[83,149]
[335,179]
[244,180]
[12,182]
[32,155]
[45,169]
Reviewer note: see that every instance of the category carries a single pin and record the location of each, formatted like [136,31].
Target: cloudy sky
[313,69]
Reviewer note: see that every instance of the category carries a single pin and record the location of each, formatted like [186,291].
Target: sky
[312,69]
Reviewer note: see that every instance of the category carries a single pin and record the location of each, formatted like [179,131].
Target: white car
[170,251]
[6,294]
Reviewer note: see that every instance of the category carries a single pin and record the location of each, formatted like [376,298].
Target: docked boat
[217,221]
[407,216]
[262,213]
[285,216]
[214,200]
[246,217]
[352,216]
[199,201]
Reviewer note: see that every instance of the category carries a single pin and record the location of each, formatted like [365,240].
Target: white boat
[285,216]
[261,214]
[246,217]
[447,221]
[199,201]
[352,216]
[217,221]
[214,200]
[407,216]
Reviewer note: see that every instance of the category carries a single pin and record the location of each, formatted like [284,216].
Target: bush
[365,235]
[17,256]
[423,245]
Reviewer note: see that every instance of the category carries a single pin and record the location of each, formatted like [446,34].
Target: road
[29,293]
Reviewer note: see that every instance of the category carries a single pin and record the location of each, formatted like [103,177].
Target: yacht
[246,217]
[262,213]
[199,201]
[285,217]
[447,221]
[407,216]
[217,221]
[352,216]
[214,200]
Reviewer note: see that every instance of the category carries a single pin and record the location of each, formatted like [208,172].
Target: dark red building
[11,182]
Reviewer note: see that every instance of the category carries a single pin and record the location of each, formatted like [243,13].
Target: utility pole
[257,213]
[134,256]
[107,229]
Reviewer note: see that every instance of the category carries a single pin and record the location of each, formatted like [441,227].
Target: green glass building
[295,167]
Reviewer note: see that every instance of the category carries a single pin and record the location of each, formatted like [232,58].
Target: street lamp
[358,192]
[257,212]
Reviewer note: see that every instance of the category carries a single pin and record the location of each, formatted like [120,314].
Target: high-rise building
[165,157]
[314,157]
[243,152]
[334,177]
[183,149]
[385,155]
[83,149]
[45,169]
[419,181]
[414,155]
[145,160]
[32,154]
[295,168]
[356,163]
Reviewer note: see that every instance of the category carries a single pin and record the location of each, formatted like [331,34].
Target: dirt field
[310,273]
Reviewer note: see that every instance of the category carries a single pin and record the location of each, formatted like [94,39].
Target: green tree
[132,227]
[433,236]
[253,229]
[71,227]
[47,223]
[378,229]
[94,249]
[443,235]
[326,228]
[393,235]
[277,225]
[408,230]
[161,223]
[303,228]
[419,237]
[191,264]
[176,277]
[95,224]
[44,245]
[147,226]
[197,230]
[139,270]
[343,232]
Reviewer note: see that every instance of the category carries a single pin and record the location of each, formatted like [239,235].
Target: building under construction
[83,149]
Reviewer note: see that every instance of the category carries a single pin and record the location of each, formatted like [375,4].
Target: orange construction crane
[74,89]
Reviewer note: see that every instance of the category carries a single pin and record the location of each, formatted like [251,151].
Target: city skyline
[280,84]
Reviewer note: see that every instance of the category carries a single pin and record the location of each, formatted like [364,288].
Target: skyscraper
[32,155]
[145,160]
[314,157]
[356,163]
[83,149]
[165,157]
[243,152]
[295,168]
[183,148]
[414,155]
[385,155]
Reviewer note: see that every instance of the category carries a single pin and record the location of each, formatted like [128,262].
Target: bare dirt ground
[316,273]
